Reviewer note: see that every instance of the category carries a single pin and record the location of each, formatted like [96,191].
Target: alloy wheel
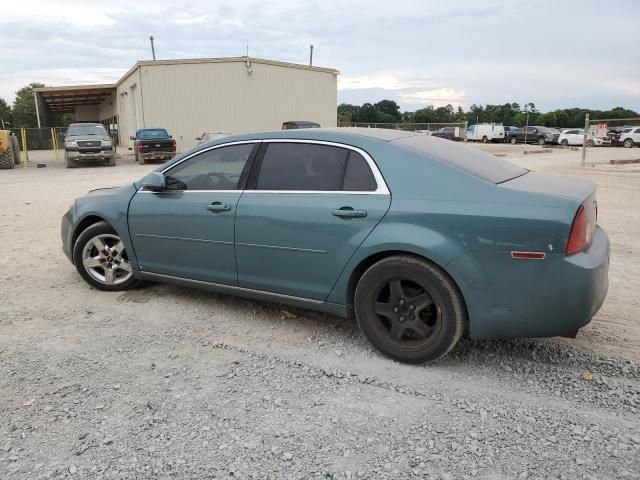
[104,258]
[407,313]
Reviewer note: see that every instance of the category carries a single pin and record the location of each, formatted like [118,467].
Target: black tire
[591,143]
[541,141]
[485,139]
[112,161]
[628,143]
[564,143]
[439,318]
[15,144]
[513,140]
[69,163]
[6,159]
[91,232]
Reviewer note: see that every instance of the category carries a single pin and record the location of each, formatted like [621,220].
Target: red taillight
[141,146]
[173,144]
[580,235]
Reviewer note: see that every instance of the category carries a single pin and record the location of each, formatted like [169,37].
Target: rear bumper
[156,155]
[533,298]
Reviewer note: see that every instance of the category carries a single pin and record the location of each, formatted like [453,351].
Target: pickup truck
[539,135]
[88,141]
[153,144]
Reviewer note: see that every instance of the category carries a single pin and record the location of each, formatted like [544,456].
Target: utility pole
[153,49]
[526,129]
[584,139]
[311,55]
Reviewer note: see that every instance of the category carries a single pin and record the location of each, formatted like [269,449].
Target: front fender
[111,205]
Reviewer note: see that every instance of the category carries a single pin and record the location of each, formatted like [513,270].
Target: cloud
[417,52]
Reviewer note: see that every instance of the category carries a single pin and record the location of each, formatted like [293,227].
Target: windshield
[77,130]
[153,133]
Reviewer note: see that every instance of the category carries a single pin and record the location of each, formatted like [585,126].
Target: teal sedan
[421,239]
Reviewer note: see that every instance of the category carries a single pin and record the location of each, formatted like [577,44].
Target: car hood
[107,190]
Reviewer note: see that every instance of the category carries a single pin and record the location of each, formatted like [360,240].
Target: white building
[189,97]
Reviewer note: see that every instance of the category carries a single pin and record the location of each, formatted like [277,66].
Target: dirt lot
[165,382]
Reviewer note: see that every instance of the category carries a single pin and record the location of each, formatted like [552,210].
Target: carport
[90,103]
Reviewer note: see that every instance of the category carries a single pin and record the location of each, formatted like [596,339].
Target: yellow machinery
[9,150]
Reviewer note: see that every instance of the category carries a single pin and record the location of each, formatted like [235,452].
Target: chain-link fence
[451,131]
[610,132]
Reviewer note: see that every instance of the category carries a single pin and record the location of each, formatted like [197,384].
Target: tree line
[388,111]
[22,113]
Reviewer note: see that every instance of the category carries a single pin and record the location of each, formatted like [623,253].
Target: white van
[485,132]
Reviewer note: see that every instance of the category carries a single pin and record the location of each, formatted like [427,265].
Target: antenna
[247,47]
[310,55]
[153,50]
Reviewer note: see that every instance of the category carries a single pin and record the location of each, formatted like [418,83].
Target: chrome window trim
[381,189]
[381,185]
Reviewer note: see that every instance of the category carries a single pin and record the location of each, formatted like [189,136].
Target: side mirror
[170,136]
[132,138]
[198,138]
[155,181]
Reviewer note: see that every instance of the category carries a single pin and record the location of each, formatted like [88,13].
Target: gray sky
[555,54]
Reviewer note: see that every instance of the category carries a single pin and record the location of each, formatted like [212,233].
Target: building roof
[65,99]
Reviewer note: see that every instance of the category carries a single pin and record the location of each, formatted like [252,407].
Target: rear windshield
[77,130]
[466,158]
[154,133]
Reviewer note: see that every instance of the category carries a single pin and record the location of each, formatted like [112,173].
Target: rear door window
[358,176]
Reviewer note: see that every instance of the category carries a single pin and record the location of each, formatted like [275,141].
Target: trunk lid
[582,191]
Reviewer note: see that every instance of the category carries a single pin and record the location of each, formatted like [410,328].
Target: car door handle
[348,212]
[218,207]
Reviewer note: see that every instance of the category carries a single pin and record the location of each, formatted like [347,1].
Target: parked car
[88,142]
[296,124]
[614,135]
[486,132]
[450,133]
[509,129]
[536,134]
[207,137]
[630,137]
[470,243]
[575,136]
[153,144]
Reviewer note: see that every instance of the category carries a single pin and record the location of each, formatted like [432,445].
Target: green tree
[5,113]
[24,108]
[388,110]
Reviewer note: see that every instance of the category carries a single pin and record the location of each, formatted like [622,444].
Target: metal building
[189,97]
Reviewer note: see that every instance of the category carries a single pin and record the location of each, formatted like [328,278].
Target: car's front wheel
[541,141]
[101,259]
[628,143]
[409,309]
[565,143]
[513,140]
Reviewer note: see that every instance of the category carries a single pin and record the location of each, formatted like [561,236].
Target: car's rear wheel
[628,143]
[409,309]
[541,141]
[564,143]
[591,143]
[101,259]
[513,140]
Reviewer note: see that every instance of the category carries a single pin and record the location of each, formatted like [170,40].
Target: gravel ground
[166,382]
